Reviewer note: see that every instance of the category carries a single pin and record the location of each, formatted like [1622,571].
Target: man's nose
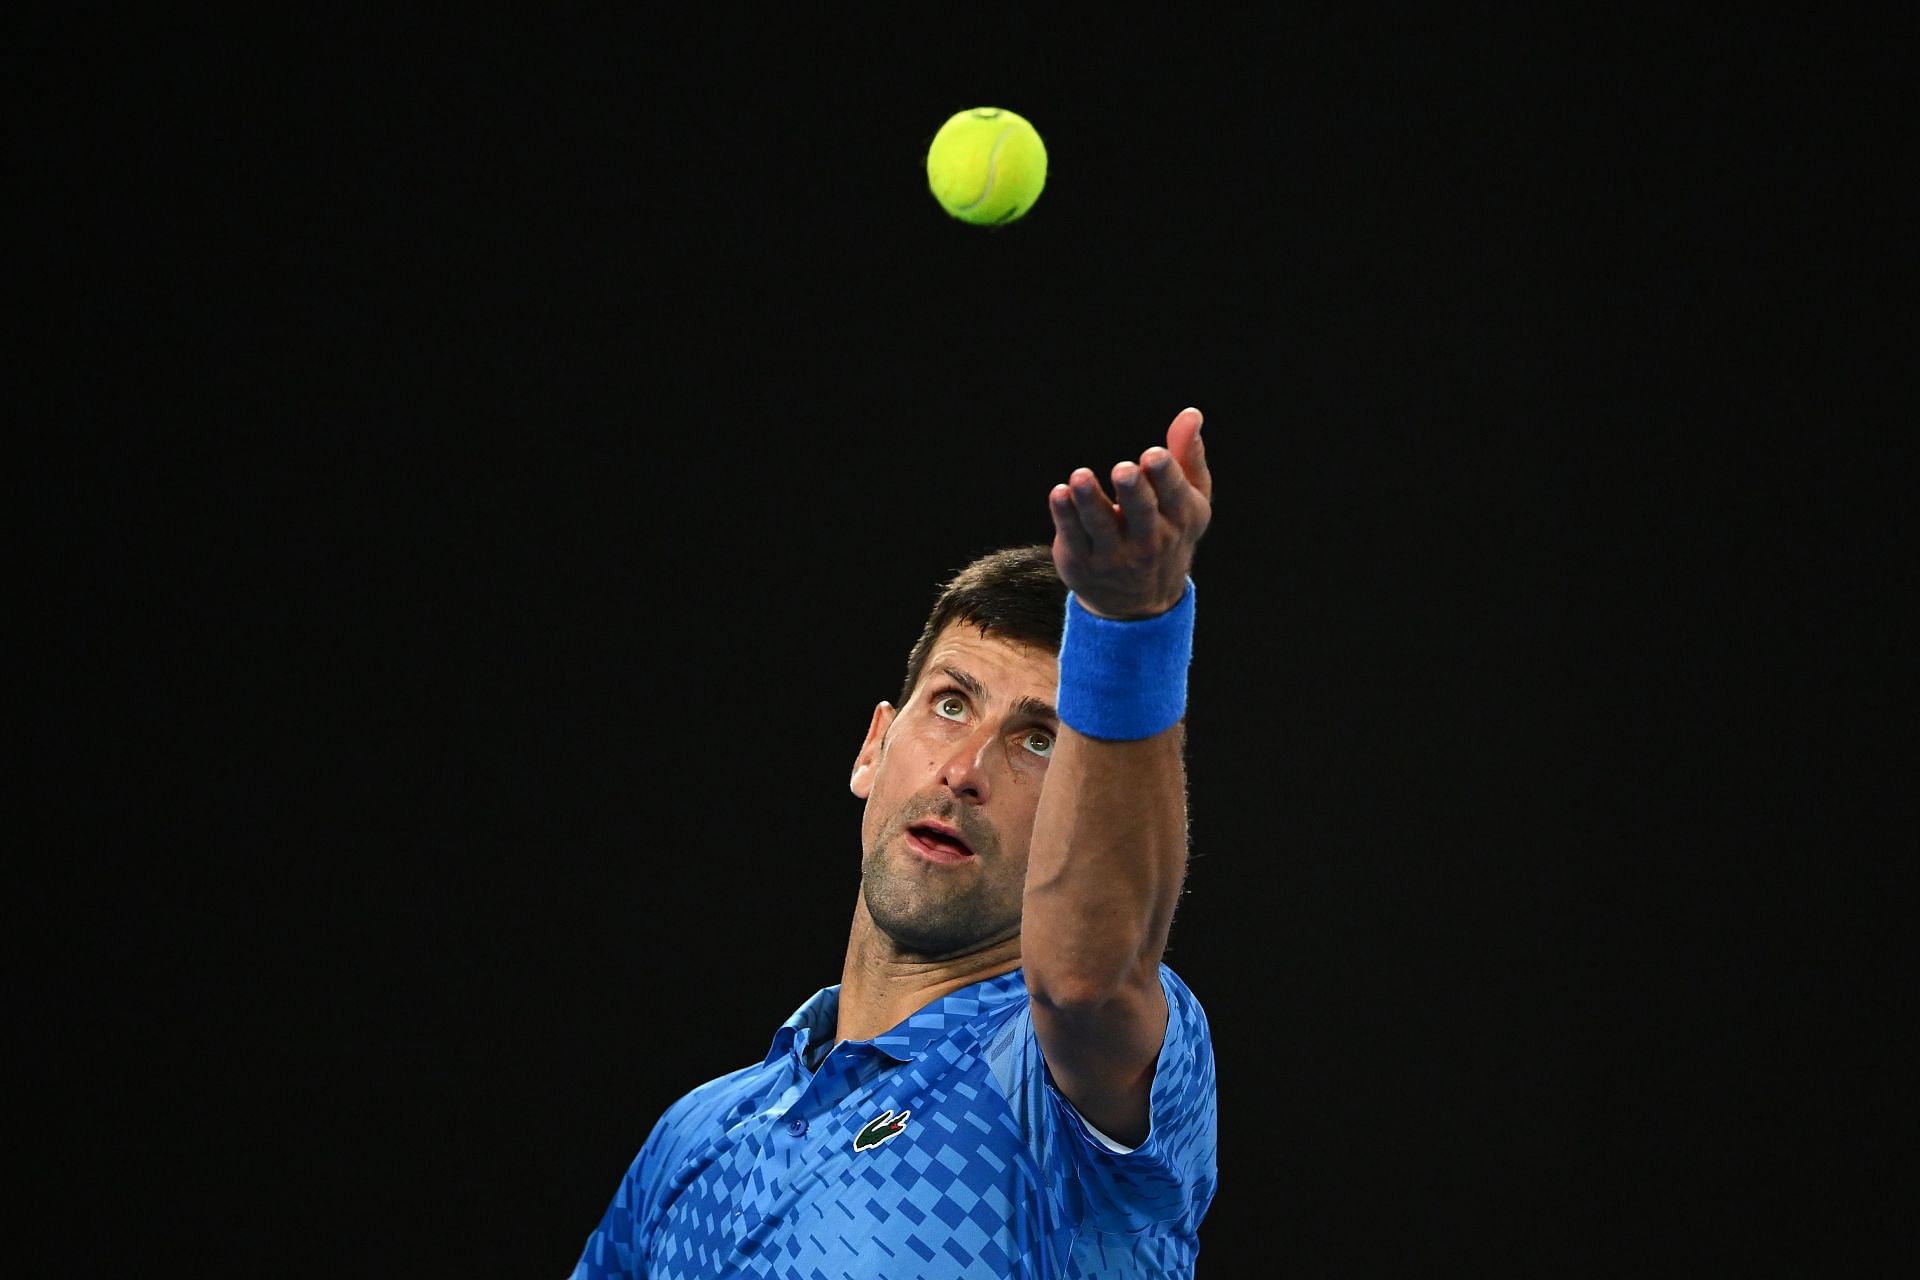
[967,770]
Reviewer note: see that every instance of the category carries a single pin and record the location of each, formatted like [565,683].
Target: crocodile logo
[879,1129]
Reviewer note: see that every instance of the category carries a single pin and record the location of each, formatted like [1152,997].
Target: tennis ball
[986,165]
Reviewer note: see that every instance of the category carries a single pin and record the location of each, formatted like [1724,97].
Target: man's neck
[880,988]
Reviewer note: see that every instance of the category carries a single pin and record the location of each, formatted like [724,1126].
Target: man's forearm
[1106,867]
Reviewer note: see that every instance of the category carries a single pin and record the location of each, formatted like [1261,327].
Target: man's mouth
[938,843]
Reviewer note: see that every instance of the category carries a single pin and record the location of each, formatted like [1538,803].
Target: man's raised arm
[1109,848]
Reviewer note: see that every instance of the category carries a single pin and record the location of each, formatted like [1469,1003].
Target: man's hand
[1109,848]
[1128,556]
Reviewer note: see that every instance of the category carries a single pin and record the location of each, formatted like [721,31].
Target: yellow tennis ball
[986,165]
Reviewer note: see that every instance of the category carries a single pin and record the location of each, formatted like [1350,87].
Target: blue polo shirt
[940,1149]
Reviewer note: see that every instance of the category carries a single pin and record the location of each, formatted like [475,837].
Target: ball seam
[993,161]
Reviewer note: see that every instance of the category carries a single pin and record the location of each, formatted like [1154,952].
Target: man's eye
[951,705]
[1039,742]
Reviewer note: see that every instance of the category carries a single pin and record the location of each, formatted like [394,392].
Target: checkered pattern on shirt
[994,1175]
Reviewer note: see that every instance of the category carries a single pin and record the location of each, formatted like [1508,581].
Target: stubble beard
[927,912]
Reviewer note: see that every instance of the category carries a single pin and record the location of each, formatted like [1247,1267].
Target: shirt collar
[814,1020]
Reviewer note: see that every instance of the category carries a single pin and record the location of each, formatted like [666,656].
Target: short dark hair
[1015,593]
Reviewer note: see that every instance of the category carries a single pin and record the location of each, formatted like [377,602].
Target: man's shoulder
[1171,978]
[1183,1003]
[1012,1051]
[1187,1015]
[716,1096]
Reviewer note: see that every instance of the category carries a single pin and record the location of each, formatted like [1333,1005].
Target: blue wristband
[1125,680]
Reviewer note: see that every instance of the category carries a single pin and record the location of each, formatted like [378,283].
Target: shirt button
[796,1127]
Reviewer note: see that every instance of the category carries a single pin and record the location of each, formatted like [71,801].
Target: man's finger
[1177,497]
[1069,534]
[1138,504]
[1189,450]
[1095,509]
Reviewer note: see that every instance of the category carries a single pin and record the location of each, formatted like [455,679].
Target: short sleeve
[1168,1179]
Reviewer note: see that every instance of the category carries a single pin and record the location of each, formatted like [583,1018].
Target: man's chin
[917,933]
[915,937]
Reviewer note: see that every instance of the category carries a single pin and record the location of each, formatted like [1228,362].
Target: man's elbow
[1089,986]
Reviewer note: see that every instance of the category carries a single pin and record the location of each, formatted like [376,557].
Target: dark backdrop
[495,467]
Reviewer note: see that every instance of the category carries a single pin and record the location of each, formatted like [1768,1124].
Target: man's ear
[861,783]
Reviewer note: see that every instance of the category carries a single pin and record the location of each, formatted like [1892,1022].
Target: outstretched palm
[1128,555]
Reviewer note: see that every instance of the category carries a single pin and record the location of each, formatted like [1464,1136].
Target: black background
[492,469]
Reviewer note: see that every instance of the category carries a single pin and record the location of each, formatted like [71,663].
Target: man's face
[952,780]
